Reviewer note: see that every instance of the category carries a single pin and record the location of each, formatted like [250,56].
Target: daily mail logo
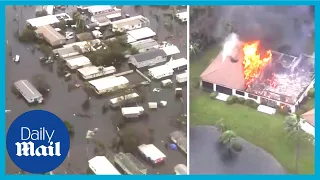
[25,148]
[39,138]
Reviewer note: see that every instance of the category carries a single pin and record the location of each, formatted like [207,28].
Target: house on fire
[284,82]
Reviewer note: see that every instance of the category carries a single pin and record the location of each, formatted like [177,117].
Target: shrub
[241,100]
[311,93]
[213,95]
[230,100]
[234,99]
[236,146]
[251,103]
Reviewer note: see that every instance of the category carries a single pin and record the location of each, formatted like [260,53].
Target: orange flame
[253,63]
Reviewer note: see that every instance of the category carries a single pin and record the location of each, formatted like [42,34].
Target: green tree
[41,13]
[294,132]
[129,140]
[28,35]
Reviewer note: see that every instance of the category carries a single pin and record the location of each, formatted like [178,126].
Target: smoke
[275,27]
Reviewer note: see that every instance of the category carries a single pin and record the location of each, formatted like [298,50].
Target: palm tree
[194,48]
[294,131]
[227,138]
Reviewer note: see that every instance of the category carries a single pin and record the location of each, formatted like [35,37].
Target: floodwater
[208,157]
[65,104]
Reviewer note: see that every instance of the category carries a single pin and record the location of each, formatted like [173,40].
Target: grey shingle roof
[149,55]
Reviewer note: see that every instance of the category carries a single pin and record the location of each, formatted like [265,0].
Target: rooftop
[109,82]
[102,166]
[225,73]
[146,43]
[28,90]
[138,34]
[309,117]
[78,61]
[86,71]
[95,9]
[130,164]
[159,70]
[151,54]
[131,21]
[50,34]
[284,79]
[177,63]
[171,50]
[151,151]
[42,21]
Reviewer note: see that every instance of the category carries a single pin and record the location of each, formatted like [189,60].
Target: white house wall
[258,100]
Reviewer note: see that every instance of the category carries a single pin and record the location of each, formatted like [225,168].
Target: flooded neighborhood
[116,75]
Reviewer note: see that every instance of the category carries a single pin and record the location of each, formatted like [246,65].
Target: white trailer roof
[94,9]
[42,21]
[86,71]
[182,75]
[78,61]
[109,82]
[100,165]
[142,33]
[132,110]
[171,50]
[151,151]
[128,21]
[159,70]
[84,43]
[177,63]
[124,97]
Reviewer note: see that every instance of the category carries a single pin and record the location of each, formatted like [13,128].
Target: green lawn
[263,130]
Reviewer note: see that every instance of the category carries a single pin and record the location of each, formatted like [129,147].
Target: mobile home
[130,23]
[148,58]
[166,82]
[91,72]
[160,72]
[109,84]
[145,45]
[119,101]
[132,112]
[76,62]
[129,164]
[100,165]
[182,78]
[152,153]
[178,64]
[28,91]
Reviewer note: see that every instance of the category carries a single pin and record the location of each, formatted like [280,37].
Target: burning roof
[245,66]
